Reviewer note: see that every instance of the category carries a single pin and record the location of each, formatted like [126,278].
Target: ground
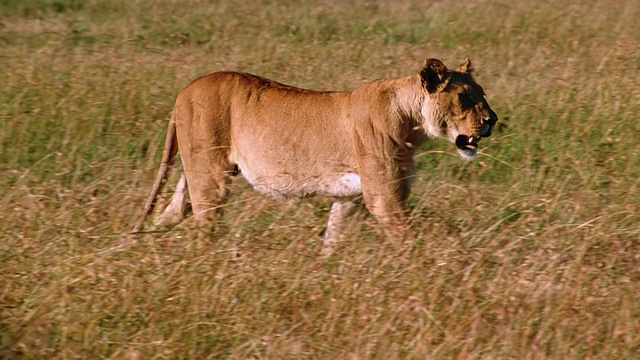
[531,251]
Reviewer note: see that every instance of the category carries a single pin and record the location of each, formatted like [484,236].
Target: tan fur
[291,142]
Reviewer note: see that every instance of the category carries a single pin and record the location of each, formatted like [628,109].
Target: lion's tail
[170,150]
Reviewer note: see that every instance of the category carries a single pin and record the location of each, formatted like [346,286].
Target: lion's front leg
[389,211]
[342,215]
[386,188]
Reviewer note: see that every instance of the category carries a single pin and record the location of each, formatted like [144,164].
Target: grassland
[531,251]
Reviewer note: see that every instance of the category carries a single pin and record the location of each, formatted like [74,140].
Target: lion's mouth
[464,142]
[467,145]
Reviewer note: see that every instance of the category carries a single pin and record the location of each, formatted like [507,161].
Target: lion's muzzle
[488,124]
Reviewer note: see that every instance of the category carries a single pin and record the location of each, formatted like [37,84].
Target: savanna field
[532,251]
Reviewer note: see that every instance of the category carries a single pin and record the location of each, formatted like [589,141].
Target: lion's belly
[344,185]
[302,166]
[288,185]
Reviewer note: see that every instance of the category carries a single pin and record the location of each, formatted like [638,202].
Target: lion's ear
[434,75]
[466,66]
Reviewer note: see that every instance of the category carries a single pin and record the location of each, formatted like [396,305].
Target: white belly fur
[286,186]
[342,186]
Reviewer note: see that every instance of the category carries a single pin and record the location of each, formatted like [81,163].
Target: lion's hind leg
[343,214]
[176,210]
[208,190]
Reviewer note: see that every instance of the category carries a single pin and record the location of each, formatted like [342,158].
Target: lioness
[291,142]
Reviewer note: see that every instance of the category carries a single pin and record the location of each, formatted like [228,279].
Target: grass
[531,251]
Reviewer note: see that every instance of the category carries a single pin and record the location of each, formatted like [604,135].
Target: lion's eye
[466,100]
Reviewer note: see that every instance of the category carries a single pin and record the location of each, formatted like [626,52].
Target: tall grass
[531,251]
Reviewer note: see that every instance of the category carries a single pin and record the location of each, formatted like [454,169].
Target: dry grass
[532,251]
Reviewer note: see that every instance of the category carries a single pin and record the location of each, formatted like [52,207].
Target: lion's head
[455,106]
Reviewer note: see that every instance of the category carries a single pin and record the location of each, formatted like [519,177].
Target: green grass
[531,251]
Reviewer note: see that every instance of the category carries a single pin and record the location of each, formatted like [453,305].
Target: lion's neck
[409,96]
[409,102]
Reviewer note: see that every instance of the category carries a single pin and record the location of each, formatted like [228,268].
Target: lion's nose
[487,125]
[491,119]
[486,130]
